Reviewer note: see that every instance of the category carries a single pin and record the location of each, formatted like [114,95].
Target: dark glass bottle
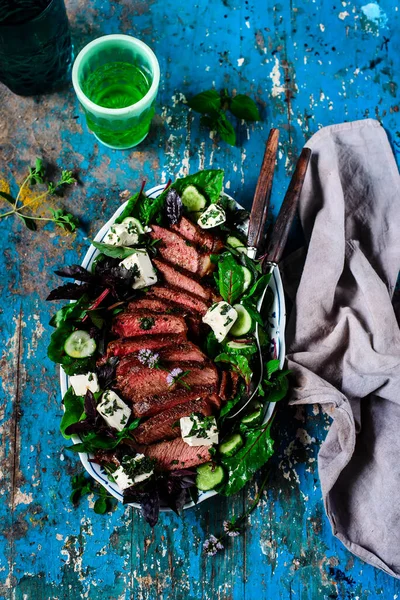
[35,47]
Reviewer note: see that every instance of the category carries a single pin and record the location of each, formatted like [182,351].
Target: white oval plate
[275,326]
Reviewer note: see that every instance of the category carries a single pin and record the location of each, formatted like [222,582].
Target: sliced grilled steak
[172,353]
[165,426]
[234,384]
[177,454]
[137,381]
[153,405]
[178,251]
[184,299]
[154,305]
[131,324]
[134,344]
[183,281]
[192,232]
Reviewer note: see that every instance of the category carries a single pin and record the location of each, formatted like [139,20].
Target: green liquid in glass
[118,85]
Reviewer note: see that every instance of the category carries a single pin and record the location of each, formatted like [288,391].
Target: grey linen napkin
[343,337]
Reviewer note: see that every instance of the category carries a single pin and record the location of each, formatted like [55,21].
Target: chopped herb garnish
[146,323]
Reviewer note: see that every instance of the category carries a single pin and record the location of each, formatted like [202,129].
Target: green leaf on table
[29,223]
[241,467]
[64,219]
[74,409]
[225,129]
[7,197]
[205,102]
[245,108]
[100,506]
[230,278]
[37,173]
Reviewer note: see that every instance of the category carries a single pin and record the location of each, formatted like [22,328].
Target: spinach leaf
[73,410]
[209,182]
[149,210]
[115,251]
[212,346]
[93,440]
[239,363]
[257,289]
[253,312]
[129,208]
[276,386]
[241,467]
[75,311]
[227,407]
[230,278]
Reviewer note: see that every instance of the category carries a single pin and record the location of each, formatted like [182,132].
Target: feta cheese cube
[213,215]
[122,234]
[82,383]
[147,275]
[113,410]
[204,435]
[220,317]
[124,480]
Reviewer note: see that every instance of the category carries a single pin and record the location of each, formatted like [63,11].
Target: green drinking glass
[116,80]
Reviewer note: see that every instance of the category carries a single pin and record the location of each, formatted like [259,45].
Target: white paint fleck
[343,15]
[240,61]
[321,96]
[275,75]
[248,24]
[228,185]
[207,68]
[304,437]
[59,537]
[322,27]
[22,498]
[375,14]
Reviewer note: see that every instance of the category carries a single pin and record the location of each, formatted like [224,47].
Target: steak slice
[151,342]
[131,324]
[153,405]
[172,352]
[184,299]
[165,426]
[224,386]
[198,236]
[137,381]
[183,281]
[178,251]
[176,454]
[154,305]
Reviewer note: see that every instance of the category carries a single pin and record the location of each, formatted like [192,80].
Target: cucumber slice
[253,418]
[234,242]
[243,323]
[135,222]
[192,199]
[79,344]
[231,445]
[248,278]
[241,348]
[209,476]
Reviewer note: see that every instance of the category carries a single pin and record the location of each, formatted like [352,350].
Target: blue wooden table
[308,64]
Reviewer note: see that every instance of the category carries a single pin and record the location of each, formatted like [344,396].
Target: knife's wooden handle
[262,194]
[280,232]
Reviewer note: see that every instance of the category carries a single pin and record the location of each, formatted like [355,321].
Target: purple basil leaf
[69,291]
[75,272]
[84,426]
[106,372]
[90,406]
[173,206]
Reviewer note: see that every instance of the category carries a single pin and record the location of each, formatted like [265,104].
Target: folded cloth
[343,337]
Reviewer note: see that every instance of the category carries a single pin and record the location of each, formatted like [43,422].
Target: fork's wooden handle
[262,194]
[286,214]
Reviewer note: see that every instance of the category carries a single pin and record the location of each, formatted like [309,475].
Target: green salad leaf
[129,208]
[209,182]
[115,251]
[241,467]
[74,409]
[230,278]
[239,362]
[93,441]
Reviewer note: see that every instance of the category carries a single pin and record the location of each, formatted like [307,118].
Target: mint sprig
[213,107]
